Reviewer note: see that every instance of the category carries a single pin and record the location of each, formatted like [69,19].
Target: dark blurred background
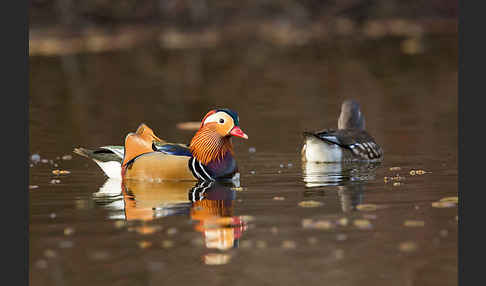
[100,67]
[111,25]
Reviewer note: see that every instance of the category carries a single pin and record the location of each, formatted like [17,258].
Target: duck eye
[221,120]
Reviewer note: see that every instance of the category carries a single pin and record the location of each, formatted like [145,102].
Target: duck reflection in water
[349,178]
[209,204]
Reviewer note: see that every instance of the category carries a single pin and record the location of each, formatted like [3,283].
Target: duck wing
[360,142]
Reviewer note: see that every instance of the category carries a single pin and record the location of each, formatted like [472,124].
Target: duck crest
[208,146]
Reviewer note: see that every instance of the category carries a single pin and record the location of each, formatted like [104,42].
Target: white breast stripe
[194,169]
[202,168]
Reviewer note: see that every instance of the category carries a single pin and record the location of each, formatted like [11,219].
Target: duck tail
[84,152]
[106,159]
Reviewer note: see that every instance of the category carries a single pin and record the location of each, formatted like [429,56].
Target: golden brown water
[287,224]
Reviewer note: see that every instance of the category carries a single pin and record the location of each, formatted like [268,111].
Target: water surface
[286,223]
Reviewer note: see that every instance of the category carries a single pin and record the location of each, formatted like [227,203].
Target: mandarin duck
[208,157]
[350,142]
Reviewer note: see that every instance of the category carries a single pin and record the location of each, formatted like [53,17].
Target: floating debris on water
[52,215]
[450,199]
[407,246]
[172,231]
[279,171]
[339,254]
[396,178]
[323,224]
[216,258]
[60,172]
[414,223]
[367,207]
[289,244]
[145,230]
[282,165]
[397,184]
[55,181]
[307,222]
[252,172]
[246,218]
[49,253]
[120,223]
[67,157]
[167,243]
[33,187]
[144,244]
[418,172]
[279,198]
[362,223]
[274,229]
[190,125]
[289,165]
[369,216]
[444,233]
[342,221]
[444,204]
[237,189]
[412,46]
[44,161]
[318,224]
[310,204]
[252,149]
[68,231]
[395,168]
[35,158]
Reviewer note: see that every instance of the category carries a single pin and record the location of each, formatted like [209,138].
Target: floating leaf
[450,199]
[60,172]
[413,223]
[362,223]
[407,246]
[167,243]
[68,231]
[310,204]
[289,244]
[367,207]
[144,244]
[342,221]
[216,258]
[443,204]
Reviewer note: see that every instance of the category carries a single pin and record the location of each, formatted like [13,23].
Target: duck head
[351,116]
[213,139]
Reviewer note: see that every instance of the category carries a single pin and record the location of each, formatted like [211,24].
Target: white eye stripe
[212,118]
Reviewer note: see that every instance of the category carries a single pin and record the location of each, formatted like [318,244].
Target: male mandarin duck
[208,157]
[350,142]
